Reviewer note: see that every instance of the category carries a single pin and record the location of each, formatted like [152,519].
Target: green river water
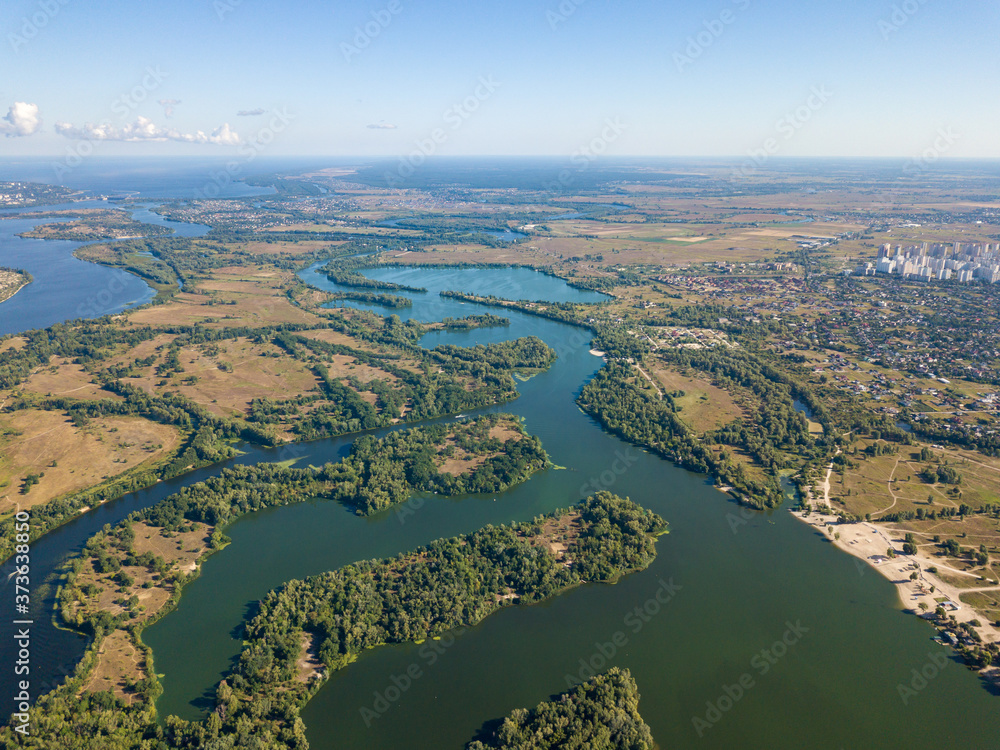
[734,582]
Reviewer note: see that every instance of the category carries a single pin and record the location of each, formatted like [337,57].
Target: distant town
[941,262]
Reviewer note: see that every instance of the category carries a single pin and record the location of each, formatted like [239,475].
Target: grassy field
[226,377]
[71,458]
[64,378]
[119,663]
[891,483]
[230,296]
[119,666]
[704,406]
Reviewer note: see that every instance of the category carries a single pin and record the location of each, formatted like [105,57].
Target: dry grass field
[119,664]
[891,483]
[227,376]
[251,297]
[14,342]
[64,378]
[72,458]
[704,406]
[118,659]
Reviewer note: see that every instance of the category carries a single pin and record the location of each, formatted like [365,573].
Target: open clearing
[226,376]
[119,664]
[256,300]
[892,483]
[72,458]
[64,378]
[704,407]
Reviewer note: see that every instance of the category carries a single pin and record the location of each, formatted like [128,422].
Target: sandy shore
[870,542]
[4,298]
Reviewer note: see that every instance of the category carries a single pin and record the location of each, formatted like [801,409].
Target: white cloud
[223,135]
[250,112]
[168,106]
[21,119]
[382,126]
[144,129]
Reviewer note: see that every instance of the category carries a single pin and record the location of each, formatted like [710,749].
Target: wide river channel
[838,644]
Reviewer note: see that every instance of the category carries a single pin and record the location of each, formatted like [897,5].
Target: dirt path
[651,381]
[888,486]
[825,485]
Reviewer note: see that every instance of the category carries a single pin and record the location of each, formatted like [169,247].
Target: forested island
[487,454]
[391,301]
[95,224]
[450,583]
[600,713]
[12,280]
[346,273]
[416,384]
[470,322]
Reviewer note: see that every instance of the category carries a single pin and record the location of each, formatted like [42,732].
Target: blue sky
[730,77]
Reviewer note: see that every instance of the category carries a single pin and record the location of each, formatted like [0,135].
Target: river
[742,582]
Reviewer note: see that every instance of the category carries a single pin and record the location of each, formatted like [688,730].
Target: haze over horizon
[220,78]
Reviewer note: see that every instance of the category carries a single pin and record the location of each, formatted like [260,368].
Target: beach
[871,542]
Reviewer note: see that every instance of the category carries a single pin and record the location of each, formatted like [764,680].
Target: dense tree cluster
[642,418]
[450,583]
[381,473]
[474,321]
[391,301]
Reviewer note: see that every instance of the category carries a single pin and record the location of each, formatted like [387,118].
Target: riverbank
[11,282]
[870,543]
